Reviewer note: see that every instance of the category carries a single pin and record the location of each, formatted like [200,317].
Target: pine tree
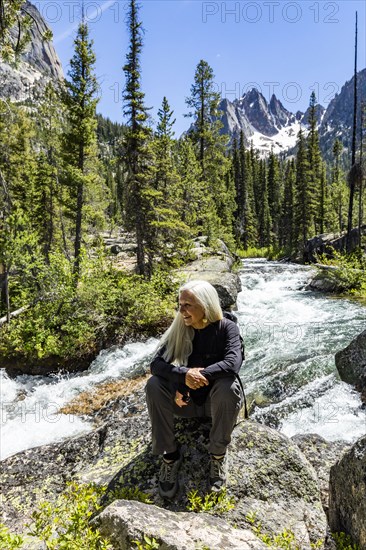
[287,225]
[274,194]
[110,136]
[252,222]
[256,179]
[211,151]
[138,155]
[323,200]
[304,201]
[354,172]
[80,140]
[264,218]
[338,188]
[315,203]
[204,102]
[168,231]
[238,213]
[362,173]
[48,208]
[245,227]
[19,237]
[15,29]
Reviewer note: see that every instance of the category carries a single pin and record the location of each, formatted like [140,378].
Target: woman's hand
[178,399]
[194,379]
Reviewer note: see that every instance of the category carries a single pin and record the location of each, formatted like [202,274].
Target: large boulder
[214,266]
[351,363]
[322,455]
[42,473]
[125,521]
[269,478]
[327,243]
[347,493]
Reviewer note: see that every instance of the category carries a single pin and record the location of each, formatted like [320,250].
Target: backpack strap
[232,317]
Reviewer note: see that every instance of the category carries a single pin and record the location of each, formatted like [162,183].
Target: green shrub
[8,541]
[350,275]
[285,540]
[129,493]
[147,544]
[216,503]
[344,542]
[108,304]
[252,252]
[66,523]
[268,252]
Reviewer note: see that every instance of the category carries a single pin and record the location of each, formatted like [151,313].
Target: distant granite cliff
[37,65]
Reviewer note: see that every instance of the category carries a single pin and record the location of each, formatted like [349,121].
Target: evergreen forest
[69,177]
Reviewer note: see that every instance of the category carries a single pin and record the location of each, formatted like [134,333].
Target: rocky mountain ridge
[265,124]
[269,125]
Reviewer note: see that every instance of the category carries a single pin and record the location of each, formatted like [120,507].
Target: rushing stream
[291,336]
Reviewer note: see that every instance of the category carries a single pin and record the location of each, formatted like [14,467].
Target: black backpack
[230,315]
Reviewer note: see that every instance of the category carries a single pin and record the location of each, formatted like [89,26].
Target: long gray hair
[178,338]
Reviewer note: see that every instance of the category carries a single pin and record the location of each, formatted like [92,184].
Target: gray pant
[222,405]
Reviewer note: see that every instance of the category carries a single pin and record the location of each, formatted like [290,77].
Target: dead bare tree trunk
[351,179]
[360,203]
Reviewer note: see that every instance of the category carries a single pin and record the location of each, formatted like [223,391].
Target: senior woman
[195,375]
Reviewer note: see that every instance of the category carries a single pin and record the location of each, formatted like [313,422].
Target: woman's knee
[227,390]
[155,387]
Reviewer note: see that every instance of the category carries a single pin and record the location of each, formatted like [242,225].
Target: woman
[194,375]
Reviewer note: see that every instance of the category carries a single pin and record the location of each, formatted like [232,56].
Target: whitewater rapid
[30,404]
[291,336]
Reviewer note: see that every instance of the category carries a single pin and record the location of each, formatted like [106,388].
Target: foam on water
[338,414]
[291,338]
[30,404]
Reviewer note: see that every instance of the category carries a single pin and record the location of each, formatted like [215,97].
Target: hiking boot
[168,478]
[217,474]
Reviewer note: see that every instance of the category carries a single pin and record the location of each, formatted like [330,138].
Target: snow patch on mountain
[285,139]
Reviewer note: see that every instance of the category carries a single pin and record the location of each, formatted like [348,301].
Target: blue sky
[289,48]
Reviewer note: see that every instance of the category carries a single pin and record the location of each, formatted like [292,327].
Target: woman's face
[191,311]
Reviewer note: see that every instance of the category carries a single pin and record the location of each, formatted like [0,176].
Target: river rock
[268,474]
[322,455]
[351,363]
[215,267]
[347,493]
[53,364]
[271,478]
[325,280]
[125,521]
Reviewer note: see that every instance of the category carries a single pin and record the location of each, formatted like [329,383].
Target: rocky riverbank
[280,486]
[277,483]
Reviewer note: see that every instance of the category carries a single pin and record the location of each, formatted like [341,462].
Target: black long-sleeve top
[217,349]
